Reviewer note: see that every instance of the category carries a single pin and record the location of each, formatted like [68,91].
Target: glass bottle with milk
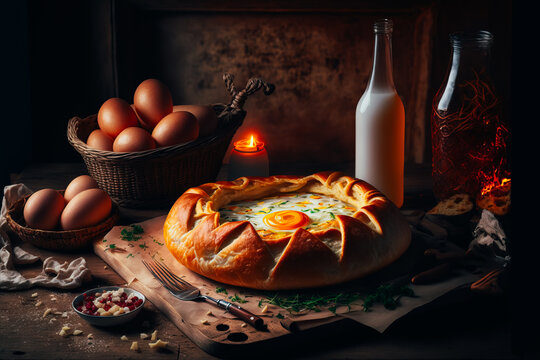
[380,123]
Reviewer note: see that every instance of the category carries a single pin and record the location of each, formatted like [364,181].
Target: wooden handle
[242,313]
[245,315]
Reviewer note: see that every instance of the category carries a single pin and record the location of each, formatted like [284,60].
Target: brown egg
[43,208]
[136,114]
[79,184]
[87,208]
[116,115]
[153,101]
[133,139]
[205,114]
[176,128]
[98,139]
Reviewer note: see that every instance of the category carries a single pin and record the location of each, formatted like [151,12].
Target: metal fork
[183,290]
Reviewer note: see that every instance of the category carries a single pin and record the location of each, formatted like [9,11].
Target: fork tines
[171,281]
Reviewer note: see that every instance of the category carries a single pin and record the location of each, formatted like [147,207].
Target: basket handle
[253,84]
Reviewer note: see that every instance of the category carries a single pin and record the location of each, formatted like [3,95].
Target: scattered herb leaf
[387,295]
[132,233]
[297,303]
[221,290]
[237,299]
[110,246]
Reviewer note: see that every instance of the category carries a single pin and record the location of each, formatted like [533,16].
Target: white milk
[380,143]
[380,123]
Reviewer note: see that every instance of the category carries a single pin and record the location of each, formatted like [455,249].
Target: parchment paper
[125,257]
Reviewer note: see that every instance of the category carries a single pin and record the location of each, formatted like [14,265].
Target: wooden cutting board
[211,328]
[218,332]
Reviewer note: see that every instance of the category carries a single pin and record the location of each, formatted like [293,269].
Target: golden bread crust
[234,253]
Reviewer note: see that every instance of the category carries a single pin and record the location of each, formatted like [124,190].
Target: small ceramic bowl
[108,320]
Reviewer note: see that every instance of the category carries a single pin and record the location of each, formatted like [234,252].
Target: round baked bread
[233,252]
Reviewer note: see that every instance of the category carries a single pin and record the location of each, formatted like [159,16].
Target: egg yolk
[286,219]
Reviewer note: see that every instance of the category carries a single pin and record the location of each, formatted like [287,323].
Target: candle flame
[249,145]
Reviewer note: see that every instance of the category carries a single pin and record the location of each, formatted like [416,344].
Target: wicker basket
[68,240]
[156,178]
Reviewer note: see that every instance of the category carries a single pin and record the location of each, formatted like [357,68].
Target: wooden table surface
[456,326]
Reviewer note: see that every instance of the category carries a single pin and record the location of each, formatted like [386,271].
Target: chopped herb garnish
[157,242]
[387,295]
[297,303]
[221,290]
[132,233]
[110,246]
[237,299]
[129,255]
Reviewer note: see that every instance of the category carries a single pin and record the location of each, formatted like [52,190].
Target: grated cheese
[158,344]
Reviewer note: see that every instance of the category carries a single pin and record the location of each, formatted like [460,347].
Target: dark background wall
[65,58]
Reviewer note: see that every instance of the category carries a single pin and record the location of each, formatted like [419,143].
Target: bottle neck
[477,60]
[469,64]
[381,74]
[471,50]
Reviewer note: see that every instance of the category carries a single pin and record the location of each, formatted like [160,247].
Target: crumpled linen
[53,275]
[490,240]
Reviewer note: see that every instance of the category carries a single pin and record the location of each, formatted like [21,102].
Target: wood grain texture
[26,334]
[477,328]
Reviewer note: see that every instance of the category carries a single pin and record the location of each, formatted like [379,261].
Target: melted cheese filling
[280,215]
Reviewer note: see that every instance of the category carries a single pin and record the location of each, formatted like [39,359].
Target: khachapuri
[286,232]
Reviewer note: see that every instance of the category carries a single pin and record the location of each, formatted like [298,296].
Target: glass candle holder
[248,158]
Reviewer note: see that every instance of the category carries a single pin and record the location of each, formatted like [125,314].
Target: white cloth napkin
[490,240]
[54,274]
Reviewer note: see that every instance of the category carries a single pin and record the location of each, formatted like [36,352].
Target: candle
[248,158]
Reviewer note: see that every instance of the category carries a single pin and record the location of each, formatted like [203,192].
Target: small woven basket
[62,240]
[156,178]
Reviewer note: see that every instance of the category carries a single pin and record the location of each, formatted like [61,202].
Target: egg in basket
[65,220]
[159,150]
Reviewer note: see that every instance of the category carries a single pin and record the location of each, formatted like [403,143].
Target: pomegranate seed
[88,305]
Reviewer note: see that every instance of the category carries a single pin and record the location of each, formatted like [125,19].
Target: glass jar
[468,138]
